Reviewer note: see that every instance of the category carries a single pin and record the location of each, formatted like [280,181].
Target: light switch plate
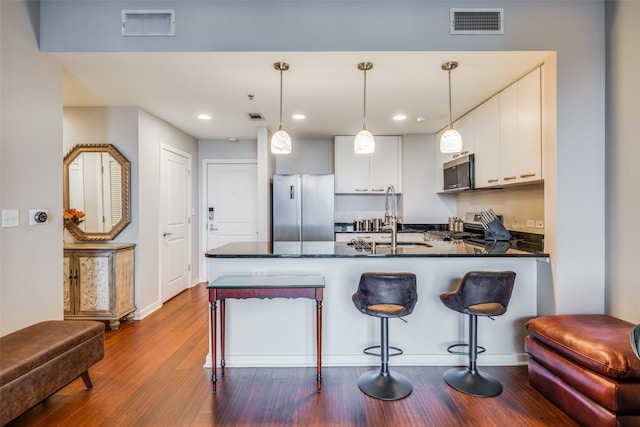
[531,223]
[10,218]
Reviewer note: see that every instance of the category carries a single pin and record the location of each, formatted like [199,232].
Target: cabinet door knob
[165,234]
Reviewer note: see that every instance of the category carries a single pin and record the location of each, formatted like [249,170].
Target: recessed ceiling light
[204,116]
[232,139]
[399,117]
[298,117]
[421,119]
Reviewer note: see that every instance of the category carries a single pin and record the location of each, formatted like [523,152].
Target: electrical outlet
[10,218]
[258,272]
[531,223]
[539,224]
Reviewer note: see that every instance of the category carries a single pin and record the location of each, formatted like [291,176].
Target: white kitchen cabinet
[368,173]
[466,126]
[98,281]
[529,128]
[487,143]
[521,131]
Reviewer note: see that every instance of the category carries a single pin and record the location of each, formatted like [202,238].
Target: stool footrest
[451,350]
[368,351]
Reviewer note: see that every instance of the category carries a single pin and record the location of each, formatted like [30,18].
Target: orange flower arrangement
[73,215]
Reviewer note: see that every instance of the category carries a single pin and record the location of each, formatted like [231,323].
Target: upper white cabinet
[521,131]
[466,126]
[505,134]
[530,127]
[368,173]
[487,143]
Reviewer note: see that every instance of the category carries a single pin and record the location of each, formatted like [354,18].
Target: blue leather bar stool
[385,295]
[481,293]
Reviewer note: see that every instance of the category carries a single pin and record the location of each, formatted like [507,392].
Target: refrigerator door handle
[292,192]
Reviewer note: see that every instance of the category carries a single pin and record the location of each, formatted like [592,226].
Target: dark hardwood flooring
[153,375]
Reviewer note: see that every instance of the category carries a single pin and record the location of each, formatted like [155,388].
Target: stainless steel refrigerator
[302,208]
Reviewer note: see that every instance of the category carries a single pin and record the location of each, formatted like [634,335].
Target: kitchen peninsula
[277,332]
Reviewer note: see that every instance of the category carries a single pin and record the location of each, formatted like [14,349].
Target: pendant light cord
[364,106]
[450,115]
[280,126]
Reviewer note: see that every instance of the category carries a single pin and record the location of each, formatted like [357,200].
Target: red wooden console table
[242,287]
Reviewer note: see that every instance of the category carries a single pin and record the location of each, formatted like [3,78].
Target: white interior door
[231,203]
[175,190]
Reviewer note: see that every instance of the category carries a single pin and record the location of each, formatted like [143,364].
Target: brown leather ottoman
[585,365]
[38,360]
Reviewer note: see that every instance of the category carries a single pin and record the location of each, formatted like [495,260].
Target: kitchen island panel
[277,332]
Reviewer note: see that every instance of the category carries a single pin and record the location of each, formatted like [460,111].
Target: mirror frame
[125,168]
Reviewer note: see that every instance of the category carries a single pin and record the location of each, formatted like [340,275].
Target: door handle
[165,234]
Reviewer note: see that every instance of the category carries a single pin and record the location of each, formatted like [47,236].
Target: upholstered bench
[38,360]
[586,366]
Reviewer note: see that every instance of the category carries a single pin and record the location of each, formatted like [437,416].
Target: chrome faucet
[391,221]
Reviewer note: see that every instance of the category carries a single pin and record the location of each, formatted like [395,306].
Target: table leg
[222,335]
[319,340]
[214,363]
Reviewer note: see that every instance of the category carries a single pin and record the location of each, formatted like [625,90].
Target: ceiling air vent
[255,116]
[476,21]
[148,23]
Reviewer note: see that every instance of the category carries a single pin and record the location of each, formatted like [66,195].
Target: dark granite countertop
[343,250]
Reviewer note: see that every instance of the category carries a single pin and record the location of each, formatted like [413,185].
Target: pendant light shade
[364,143]
[451,140]
[281,141]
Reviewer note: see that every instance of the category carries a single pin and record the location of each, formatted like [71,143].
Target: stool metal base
[390,386]
[475,383]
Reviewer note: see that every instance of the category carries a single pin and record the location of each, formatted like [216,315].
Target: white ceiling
[326,87]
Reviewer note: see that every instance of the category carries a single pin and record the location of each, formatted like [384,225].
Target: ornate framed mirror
[96,192]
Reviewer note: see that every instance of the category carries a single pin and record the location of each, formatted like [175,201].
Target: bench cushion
[28,348]
[597,341]
[37,361]
[621,397]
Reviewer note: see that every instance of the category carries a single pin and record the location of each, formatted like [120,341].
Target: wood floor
[152,375]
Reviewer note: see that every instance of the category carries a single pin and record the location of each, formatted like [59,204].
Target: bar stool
[385,295]
[635,340]
[481,293]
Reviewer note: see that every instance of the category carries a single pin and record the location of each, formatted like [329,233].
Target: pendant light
[451,140]
[281,141]
[364,143]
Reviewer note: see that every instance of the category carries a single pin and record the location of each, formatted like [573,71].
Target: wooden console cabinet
[99,282]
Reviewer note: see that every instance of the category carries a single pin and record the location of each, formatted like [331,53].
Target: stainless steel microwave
[459,174]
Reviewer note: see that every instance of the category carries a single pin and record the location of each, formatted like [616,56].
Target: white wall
[312,156]
[574,29]
[210,149]
[153,134]
[623,152]
[30,171]
[516,204]
[108,125]
[138,135]
[420,203]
